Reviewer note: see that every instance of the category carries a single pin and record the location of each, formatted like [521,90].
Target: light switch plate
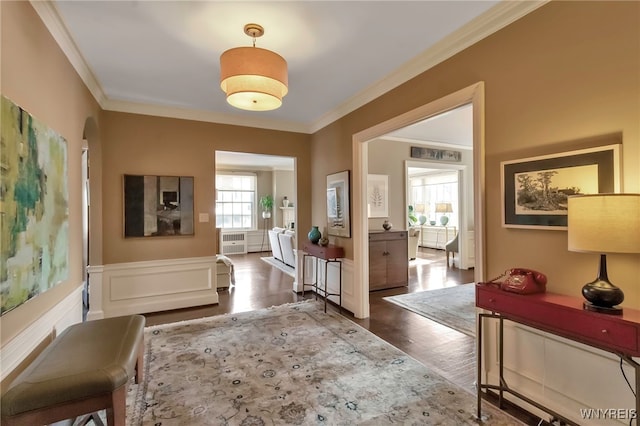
[203,217]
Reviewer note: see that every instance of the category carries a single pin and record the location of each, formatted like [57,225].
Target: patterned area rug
[292,364]
[454,307]
[280,265]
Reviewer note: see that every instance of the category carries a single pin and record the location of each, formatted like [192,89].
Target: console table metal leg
[326,284]
[501,362]
[340,295]
[479,365]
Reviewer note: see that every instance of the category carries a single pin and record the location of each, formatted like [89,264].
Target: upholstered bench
[85,369]
[225,276]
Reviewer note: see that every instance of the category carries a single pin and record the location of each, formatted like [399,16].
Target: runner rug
[454,307]
[292,364]
[279,265]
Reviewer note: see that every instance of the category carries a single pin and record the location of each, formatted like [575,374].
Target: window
[427,190]
[236,201]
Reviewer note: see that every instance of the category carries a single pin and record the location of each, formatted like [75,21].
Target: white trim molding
[50,324]
[496,18]
[151,286]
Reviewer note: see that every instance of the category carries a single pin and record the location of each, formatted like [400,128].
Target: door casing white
[473,94]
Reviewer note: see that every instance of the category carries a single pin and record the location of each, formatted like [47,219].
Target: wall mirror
[157,206]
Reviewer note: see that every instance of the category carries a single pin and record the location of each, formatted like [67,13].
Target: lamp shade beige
[443,208]
[254,79]
[604,223]
[419,208]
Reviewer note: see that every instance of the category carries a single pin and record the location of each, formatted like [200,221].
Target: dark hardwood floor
[447,351]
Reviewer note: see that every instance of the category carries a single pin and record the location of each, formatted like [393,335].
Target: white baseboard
[51,323]
[151,286]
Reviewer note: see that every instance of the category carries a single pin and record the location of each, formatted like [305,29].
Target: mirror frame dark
[158,206]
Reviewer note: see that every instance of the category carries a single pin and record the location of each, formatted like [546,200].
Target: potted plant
[266,202]
[412,216]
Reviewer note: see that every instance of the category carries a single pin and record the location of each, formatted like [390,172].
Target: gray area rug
[292,364]
[280,265]
[454,307]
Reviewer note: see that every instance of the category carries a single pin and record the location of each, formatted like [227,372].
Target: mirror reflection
[158,206]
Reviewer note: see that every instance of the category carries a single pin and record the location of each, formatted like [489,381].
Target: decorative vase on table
[386,225]
[314,235]
[324,241]
[444,220]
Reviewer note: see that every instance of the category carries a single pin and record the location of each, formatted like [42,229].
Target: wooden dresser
[388,259]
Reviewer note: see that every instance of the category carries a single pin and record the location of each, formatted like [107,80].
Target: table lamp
[604,223]
[444,208]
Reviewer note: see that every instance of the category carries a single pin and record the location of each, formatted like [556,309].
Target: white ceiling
[162,57]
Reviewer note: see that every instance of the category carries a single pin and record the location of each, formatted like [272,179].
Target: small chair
[451,247]
[413,241]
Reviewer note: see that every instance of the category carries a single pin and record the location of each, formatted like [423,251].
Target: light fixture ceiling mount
[254,79]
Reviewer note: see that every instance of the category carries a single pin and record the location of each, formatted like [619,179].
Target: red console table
[330,254]
[563,316]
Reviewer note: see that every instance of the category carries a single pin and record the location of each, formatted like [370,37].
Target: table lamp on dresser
[603,224]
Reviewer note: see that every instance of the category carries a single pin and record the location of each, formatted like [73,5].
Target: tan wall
[555,79]
[37,76]
[141,144]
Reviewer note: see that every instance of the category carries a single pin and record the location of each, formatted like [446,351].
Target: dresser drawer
[387,235]
[591,328]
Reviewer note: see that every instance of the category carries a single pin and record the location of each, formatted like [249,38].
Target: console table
[330,254]
[563,316]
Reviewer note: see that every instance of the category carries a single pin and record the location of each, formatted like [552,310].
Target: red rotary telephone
[522,281]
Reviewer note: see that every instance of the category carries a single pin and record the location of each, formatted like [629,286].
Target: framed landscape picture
[535,190]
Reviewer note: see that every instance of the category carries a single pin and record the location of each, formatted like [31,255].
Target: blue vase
[314,235]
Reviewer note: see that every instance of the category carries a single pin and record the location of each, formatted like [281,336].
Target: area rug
[280,265]
[292,364]
[454,307]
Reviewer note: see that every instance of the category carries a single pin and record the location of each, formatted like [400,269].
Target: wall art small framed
[158,206]
[435,154]
[338,223]
[535,189]
[378,195]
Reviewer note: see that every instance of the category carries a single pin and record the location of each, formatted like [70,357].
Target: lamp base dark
[614,310]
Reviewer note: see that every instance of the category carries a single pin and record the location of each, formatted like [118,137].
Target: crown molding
[202,115]
[496,18]
[51,19]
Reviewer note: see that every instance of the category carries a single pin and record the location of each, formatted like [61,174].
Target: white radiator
[233,242]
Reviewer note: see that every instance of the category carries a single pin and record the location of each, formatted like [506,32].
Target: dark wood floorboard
[447,351]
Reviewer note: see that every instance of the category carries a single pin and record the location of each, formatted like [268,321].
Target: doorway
[473,95]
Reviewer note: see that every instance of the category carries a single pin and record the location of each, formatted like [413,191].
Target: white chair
[413,241]
[288,247]
[451,247]
[275,243]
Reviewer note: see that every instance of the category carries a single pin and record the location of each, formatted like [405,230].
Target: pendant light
[254,79]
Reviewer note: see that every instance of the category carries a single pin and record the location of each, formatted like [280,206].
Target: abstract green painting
[34,211]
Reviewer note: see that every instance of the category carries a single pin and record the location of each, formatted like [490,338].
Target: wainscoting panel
[559,373]
[50,324]
[152,286]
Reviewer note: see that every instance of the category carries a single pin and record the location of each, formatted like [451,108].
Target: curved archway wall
[563,77]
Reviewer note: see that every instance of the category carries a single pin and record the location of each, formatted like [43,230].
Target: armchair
[413,241]
[451,247]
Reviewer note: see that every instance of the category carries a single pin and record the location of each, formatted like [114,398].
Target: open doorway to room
[428,167]
[471,95]
[255,212]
